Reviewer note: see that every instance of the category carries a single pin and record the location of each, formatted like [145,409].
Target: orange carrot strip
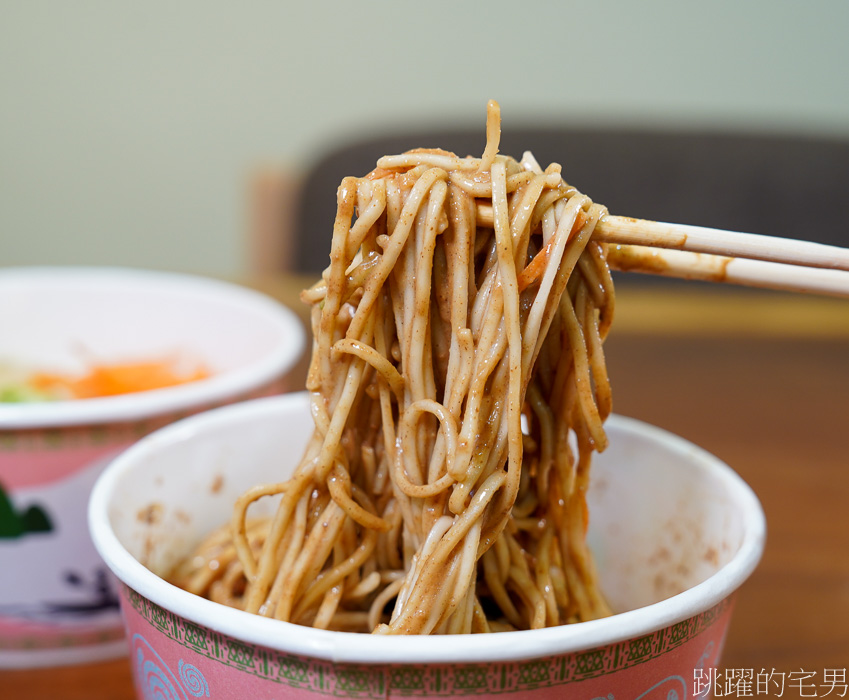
[533,271]
[112,380]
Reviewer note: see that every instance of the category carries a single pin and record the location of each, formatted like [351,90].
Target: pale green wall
[126,128]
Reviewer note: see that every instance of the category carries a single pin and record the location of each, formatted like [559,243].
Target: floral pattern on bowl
[175,658]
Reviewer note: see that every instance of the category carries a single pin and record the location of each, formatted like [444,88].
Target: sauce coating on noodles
[458,390]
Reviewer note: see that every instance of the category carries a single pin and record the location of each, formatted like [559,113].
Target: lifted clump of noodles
[458,392]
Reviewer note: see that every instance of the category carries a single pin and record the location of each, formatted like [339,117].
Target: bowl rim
[358,648]
[141,405]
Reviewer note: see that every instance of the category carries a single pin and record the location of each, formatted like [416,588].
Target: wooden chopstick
[720,268]
[697,252]
[699,239]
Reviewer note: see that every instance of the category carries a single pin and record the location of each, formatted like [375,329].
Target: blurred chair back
[782,186]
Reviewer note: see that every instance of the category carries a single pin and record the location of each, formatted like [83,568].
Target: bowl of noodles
[91,359]
[450,509]
[674,532]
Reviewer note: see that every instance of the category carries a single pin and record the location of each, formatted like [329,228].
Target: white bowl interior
[188,487]
[665,517]
[65,319]
[662,518]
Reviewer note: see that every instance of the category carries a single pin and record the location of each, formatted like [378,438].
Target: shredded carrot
[379,173]
[112,380]
[533,270]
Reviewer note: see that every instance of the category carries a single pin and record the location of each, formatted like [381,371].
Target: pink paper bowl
[57,603]
[675,532]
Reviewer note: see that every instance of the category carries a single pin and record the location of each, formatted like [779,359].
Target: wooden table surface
[759,379]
